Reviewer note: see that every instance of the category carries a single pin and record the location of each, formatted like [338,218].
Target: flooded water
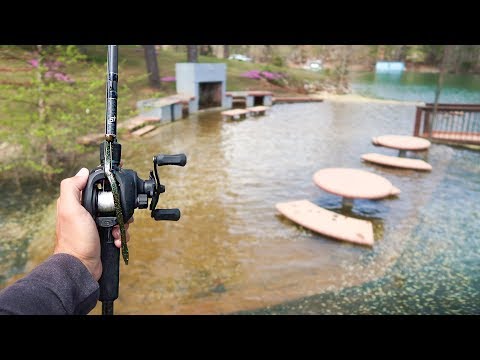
[231,251]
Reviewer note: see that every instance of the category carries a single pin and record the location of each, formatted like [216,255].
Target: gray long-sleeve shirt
[61,285]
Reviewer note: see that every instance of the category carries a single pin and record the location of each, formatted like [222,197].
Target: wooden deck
[452,123]
[144,130]
[136,126]
[138,121]
[450,136]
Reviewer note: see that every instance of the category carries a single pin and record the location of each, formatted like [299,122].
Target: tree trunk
[82,49]
[152,65]
[206,50]
[400,52]
[226,51]
[443,67]
[43,117]
[192,53]
[342,83]
[267,53]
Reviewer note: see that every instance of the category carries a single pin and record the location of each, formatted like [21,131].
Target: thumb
[71,188]
[80,178]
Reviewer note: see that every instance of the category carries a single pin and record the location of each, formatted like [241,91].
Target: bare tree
[443,67]
[192,53]
[342,69]
[206,50]
[152,65]
[226,51]
[267,53]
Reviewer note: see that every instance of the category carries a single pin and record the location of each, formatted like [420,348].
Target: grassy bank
[14,69]
[132,65]
[31,145]
[16,73]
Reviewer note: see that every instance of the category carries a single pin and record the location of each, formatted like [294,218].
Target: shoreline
[7,152]
[351,97]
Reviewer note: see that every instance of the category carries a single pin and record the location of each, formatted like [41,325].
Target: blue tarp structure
[389,66]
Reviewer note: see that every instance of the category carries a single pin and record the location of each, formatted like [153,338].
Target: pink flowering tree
[45,109]
[272,77]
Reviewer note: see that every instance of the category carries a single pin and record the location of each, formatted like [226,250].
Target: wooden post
[443,66]
[418,119]
[426,124]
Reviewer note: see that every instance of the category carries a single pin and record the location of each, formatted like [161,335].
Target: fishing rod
[112,193]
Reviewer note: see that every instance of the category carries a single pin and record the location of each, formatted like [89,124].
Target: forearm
[62,285]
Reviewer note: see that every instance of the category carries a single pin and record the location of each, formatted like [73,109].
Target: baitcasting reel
[134,192]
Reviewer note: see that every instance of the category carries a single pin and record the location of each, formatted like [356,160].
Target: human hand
[76,232]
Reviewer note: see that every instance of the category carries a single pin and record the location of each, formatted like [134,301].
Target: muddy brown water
[231,251]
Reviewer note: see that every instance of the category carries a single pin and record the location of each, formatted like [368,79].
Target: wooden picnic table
[402,142]
[354,184]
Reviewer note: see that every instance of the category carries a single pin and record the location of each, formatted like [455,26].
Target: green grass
[132,62]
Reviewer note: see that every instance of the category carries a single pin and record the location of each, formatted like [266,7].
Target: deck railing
[457,123]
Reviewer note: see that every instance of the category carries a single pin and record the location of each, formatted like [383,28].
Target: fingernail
[82,172]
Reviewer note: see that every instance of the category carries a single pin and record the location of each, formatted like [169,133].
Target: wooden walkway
[451,136]
[144,130]
[138,122]
[137,126]
[452,123]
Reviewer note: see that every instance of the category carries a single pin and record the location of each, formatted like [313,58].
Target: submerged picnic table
[402,143]
[354,184]
[349,184]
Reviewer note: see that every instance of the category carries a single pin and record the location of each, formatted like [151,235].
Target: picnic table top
[235,112]
[354,183]
[401,142]
[166,101]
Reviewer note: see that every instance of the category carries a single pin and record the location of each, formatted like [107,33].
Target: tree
[45,113]
[341,71]
[226,51]
[206,50]
[192,53]
[267,53]
[443,66]
[152,65]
